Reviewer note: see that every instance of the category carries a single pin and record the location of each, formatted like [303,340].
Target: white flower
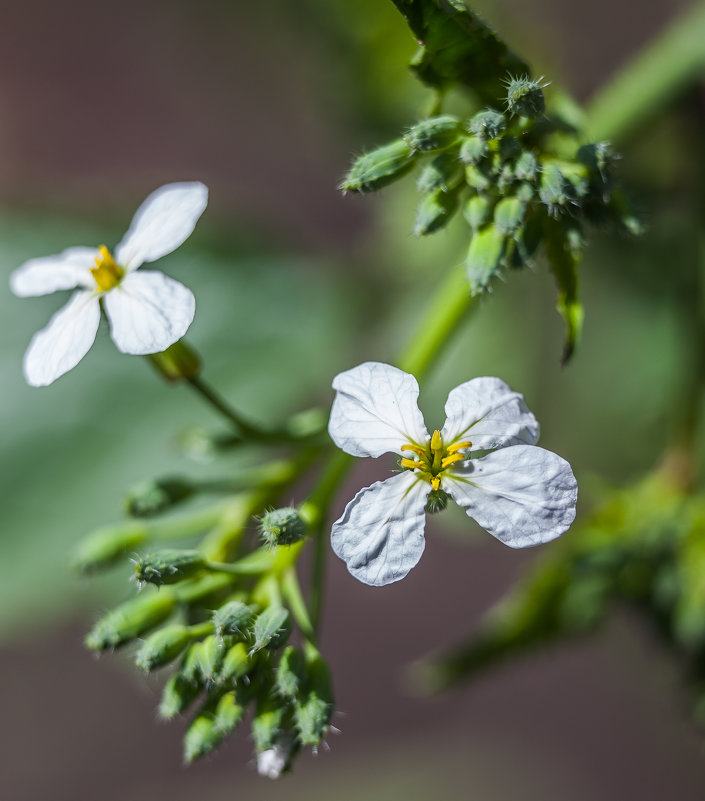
[275,760]
[521,494]
[147,311]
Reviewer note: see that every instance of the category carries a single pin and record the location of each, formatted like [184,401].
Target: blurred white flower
[521,494]
[275,760]
[147,311]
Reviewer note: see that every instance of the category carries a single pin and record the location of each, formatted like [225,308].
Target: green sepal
[271,629]
[216,719]
[233,617]
[484,257]
[509,215]
[526,167]
[168,567]
[564,258]
[235,664]
[178,362]
[379,168]
[269,718]
[437,501]
[211,654]
[158,495]
[131,619]
[106,546]
[291,672]
[472,150]
[313,709]
[162,647]
[435,212]
[177,696]
[477,211]
[435,133]
[441,173]
[478,177]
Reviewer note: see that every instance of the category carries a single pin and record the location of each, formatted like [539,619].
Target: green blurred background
[100,103]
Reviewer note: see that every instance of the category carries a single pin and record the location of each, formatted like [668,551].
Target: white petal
[380,535]
[490,414]
[60,346]
[375,410]
[47,274]
[522,495]
[148,312]
[164,221]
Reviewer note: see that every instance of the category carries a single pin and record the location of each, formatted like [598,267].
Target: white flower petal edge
[490,414]
[381,533]
[375,410]
[62,344]
[164,221]
[523,495]
[148,312]
[66,270]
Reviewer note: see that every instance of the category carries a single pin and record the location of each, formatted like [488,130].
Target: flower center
[432,460]
[106,272]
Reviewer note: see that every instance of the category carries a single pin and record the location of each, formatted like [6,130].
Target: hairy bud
[130,620]
[282,526]
[168,567]
[157,495]
[525,97]
[379,167]
[435,133]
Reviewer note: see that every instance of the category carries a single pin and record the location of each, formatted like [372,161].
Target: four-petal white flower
[147,311]
[521,494]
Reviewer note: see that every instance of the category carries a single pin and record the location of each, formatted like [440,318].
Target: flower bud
[277,760]
[487,124]
[477,210]
[435,133]
[233,617]
[525,98]
[282,526]
[484,257]
[379,167]
[472,150]
[478,178]
[235,664]
[554,190]
[216,719]
[272,628]
[441,173]
[178,695]
[598,157]
[131,619]
[211,654]
[168,567]
[107,545]
[313,711]
[437,501]
[162,646]
[291,671]
[157,495]
[268,720]
[509,215]
[178,362]
[434,212]
[526,167]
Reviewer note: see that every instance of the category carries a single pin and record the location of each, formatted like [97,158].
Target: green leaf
[564,258]
[457,47]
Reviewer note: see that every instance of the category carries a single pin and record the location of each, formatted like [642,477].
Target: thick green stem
[651,80]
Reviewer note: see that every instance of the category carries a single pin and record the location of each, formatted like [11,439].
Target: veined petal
[380,535]
[375,410]
[164,221]
[47,274]
[523,495]
[490,414]
[148,312]
[67,338]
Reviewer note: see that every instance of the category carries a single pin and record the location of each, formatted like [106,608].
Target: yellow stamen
[436,482]
[417,449]
[106,272]
[410,463]
[436,451]
[457,446]
[449,460]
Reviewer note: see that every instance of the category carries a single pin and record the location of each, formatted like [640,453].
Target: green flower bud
[441,173]
[168,567]
[472,150]
[107,545]
[477,211]
[484,257]
[282,526]
[290,672]
[435,133]
[478,178]
[178,695]
[228,713]
[157,495]
[435,211]
[131,619]
[598,157]
[437,501]
[554,190]
[178,362]
[235,664]
[526,241]
[162,646]
[216,719]
[211,654]
[313,711]
[379,167]
[525,98]
[272,628]
[509,215]
[487,124]
[526,167]
[233,617]
[268,720]
[191,667]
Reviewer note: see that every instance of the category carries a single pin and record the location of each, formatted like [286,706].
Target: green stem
[249,430]
[295,599]
[651,80]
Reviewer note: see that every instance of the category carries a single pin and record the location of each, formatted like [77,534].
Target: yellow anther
[417,449]
[449,460]
[436,482]
[106,272]
[458,446]
[410,463]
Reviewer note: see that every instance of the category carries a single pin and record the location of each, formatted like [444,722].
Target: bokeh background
[102,102]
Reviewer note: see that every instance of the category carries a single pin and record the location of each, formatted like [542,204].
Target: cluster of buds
[521,178]
[227,629]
